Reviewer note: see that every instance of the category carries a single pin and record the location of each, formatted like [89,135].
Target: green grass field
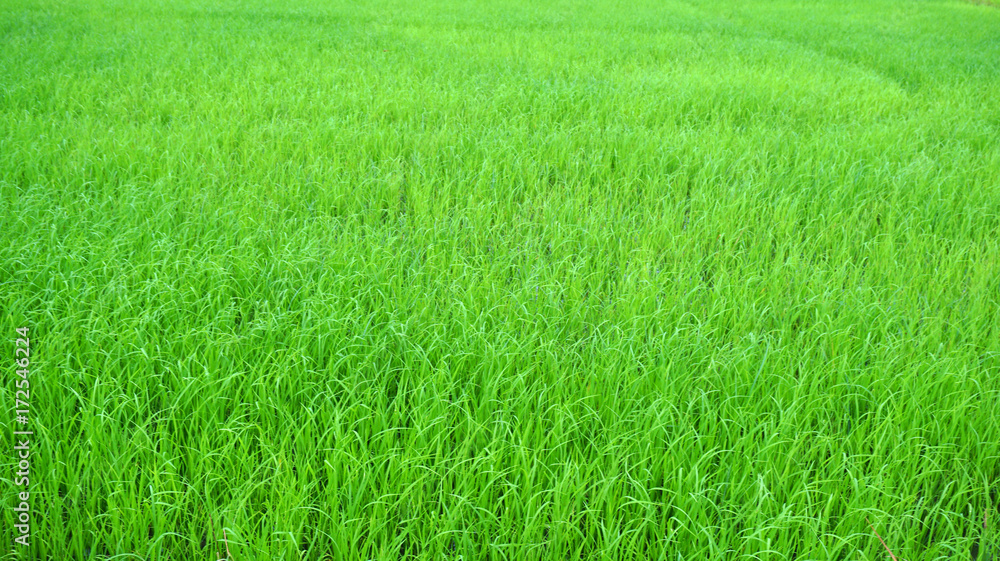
[468,280]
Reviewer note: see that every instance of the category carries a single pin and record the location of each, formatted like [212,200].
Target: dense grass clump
[477,280]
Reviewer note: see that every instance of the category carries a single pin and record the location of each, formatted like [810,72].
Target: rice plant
[471,280]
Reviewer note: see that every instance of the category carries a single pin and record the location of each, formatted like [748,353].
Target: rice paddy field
[468,280]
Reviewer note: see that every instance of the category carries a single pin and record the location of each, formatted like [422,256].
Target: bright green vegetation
[448,280]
